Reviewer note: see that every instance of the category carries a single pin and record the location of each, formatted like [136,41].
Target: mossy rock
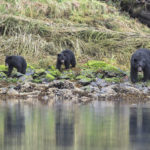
[37,81]
[3,68]
[40,71]
[54,72]
[86,81]
[11,80]
[114,79]
[49,77]
[88,73]
[105,68]
[2,75]
[80,77]
[68,75]
[25,78]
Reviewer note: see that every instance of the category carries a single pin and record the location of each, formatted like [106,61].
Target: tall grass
[39,29]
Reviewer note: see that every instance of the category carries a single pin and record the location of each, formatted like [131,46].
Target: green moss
[30,66]
[103,66]
[49,77]
[40,71]
[86,81]
[68,75]
[88,72]
[3,68]
[53,71]
[114,79]
[80,77]
[37,81]
[11,80]
[2,74]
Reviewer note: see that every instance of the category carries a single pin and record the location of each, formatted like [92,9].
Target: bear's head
[7,60]
[61,57]
[138,62]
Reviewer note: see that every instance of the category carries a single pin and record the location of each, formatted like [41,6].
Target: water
[97,126]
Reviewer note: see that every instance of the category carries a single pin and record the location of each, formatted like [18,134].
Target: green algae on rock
[3,68]
[103,66]
[49,77]
[113,80]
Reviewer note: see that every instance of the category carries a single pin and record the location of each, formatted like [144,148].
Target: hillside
[39,29]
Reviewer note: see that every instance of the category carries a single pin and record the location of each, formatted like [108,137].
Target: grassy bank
[39,29]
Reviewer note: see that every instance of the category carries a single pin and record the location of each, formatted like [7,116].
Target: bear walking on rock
[140,61]
[66,57]
[16,61]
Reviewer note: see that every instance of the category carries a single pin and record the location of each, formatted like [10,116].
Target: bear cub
[17,62]
[140,62]
[66,57]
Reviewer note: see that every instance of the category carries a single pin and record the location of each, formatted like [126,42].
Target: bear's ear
[8,57]
[58,55]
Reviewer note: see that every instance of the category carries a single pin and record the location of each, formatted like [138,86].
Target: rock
[25,78]
[145,90]
[62,84]
[108,91]
[129,89]
[101,83]
[29,72]
[18,74]
[90,89]
[3,90]
[12,92]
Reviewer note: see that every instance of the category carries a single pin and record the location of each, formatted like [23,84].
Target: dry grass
[93,30]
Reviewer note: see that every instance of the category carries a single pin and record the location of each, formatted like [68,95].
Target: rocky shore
[67,91]
[95,80]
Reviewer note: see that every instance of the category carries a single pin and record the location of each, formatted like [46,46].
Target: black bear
[66,57]
[16,61]
[140,61]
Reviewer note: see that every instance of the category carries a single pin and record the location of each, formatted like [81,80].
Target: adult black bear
[140,61]
[66,57]
[16,61]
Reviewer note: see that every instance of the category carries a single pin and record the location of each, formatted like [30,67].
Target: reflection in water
[64,127]
[100,125]
[13,125]
[140,128]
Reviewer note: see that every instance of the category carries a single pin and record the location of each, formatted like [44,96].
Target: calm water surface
[97,126]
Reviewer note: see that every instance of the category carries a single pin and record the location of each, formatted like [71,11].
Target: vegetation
[39,29]
[84,74]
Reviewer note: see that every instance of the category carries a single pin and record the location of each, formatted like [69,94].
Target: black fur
[66,57]
[140,61]
[16,61]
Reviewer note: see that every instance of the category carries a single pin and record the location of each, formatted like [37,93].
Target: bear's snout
[139,69]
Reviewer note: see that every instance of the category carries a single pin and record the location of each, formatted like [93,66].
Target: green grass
[39,29]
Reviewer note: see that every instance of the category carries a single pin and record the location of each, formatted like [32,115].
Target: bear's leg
[134,75]
[67,63]
[73,62]
[10,68]
[23,70]
[19,69]
[146,74]
[58,65]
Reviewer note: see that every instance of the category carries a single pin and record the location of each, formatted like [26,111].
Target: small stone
[12,92]
[3,90]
